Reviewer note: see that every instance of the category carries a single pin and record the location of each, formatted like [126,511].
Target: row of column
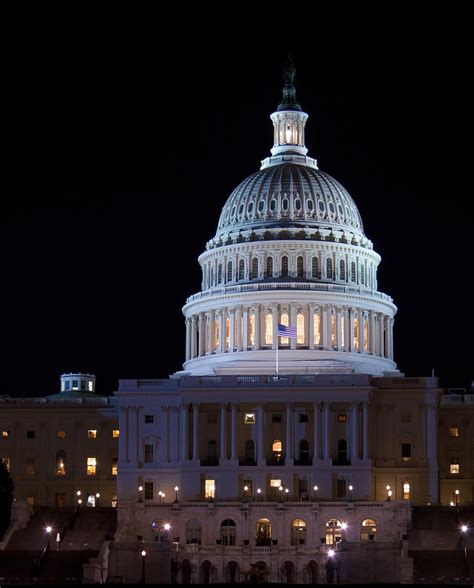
[241,328]
[358,446]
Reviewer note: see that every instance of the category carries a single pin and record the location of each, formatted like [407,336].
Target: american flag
[284,331]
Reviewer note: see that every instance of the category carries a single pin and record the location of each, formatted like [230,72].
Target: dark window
[241,269]
[304,451]
[284,266]
[406,451]
[254,268]
[229,271]
[228,532]
[212,418]
[148,490]
[303,417]
[353,271]
[250,451]
[276,418]
[342,450]
[342,269]
[219,274]
[329,273]
[30,434]
[342,417]
[269,267]
[148,453]
[299,267]
[149,418]
[212,452]
[315,267]
[341,488]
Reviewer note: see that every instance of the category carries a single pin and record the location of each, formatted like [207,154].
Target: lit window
[317,329]
[30,500]
[249,418]
[92,433]
[90,386]
[406,491]
[61,434]
[148,453]
[298,532]
[114,466]
[252,329]
[277,449]
[284,321]
[366,336]
[300,330]
[91,466]
[149,490]
[6,461]
[30,466]
[115,433]
[216,333]
[333,531]
[275,483]
[227,333]
[333,330]
[355,342]
[210,489]
[454,466]
[406,451]
[114,501]
[454,432]
[60,463]
[342,333]
[5,434]
[149,418]
[368,530]
[276,446]
[342,418]
[268,329]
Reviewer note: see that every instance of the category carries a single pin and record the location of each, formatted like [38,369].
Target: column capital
[223,405]
[184,405]
[289,405]
[316,406]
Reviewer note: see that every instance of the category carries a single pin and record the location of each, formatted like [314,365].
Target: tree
[6,498]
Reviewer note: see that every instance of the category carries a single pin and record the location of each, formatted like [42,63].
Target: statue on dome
[289,71]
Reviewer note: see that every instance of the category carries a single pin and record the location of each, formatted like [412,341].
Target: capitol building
[290,448]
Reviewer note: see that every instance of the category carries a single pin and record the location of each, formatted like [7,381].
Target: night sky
[119,160]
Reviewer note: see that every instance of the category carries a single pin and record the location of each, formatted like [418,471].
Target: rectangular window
[405,417]
[92,433]
[210,489]
[148,490]
[276,418]
[249,485]
[341,488]
[30,434]
[114,466]
[249,418]
[274,483]
[115,433]
[454,431]
[303,417]
[406,491]
[5,434]
[114,501]
[6,461]
[148,453]
[68,385]
[30,466]
[91,466]
[30,500]
[149,418]
[91,386]
[454,466]
[75,384]
[406,451]
[342,417]
[212,418]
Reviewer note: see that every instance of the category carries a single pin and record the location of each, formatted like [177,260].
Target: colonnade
[254,327]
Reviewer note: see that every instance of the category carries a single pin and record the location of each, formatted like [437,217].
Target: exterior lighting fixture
[331,553]
[140,488]
[143,553]
[48,529]
[78,492]
[464,528]
[343,526]
[166,526]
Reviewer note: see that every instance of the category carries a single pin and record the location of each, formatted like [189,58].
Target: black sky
[117,163]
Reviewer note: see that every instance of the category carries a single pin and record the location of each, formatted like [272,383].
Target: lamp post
[315,489]
[259,492]
[245,492]
[176,488]
[140,493]
[48,529]
[464,530]
[280,489]
[330,566]
[351,488]
[143,554]
[456,499]
[97,496]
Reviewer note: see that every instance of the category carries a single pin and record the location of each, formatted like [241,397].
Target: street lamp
[464,530]
[245,491]
[176,488]
[315,488]
[259,492]
[280,489]
[351,488]
[140,493]
[143,554]
[389,495]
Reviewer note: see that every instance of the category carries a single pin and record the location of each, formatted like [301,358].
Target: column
[351,330]
[188,339]
[202,336]
[194,336]
[311,326]
[261,449]
[391,337]
[223,455]
[339,341]
[258,326]
[361,330]
[372,332]
[231,330]
[345,318]
[325,342]
[184,432]
[387,337]
[211,332]
[365,451]
[381,336]
[354,439]
[293,323]
[233,434]
[238,328]
[195,431]
[316,429]
[289,435]
[326,431]
[245,329]
[275,326]
[221,346]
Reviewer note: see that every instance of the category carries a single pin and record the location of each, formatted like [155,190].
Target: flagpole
[277,358]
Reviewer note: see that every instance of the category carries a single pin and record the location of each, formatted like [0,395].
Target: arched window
[284,320]
[342,269]
[228,532]
[254,268]
[263,532]
[193,531]
[333,531]
[284,266]
[298,532]
[355,343]
[252,328]
[300,329]
[269,329]
[269,272]
[362,274]
[219,274]
[241,269]
[227,333]
[368,530]
[317,328]
[212,453]
[229,271]
[353,272]
[333,330]
[299,267]
[277,451]
[406,491]
[61,463]
[304,451]
[366,335]
[212,277]
[315,268]
[342,451]
[250,451]
[329,273]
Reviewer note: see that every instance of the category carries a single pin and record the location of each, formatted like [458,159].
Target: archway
[186,572]
[263,532]
[258,573]
[313,572]
[232,572]
[287,573]
[206,572]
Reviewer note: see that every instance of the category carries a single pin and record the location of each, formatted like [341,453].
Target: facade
[290,447]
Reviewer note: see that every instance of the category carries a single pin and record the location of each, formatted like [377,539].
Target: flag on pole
[284,331]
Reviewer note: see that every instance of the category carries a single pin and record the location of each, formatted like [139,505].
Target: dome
[289,195]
